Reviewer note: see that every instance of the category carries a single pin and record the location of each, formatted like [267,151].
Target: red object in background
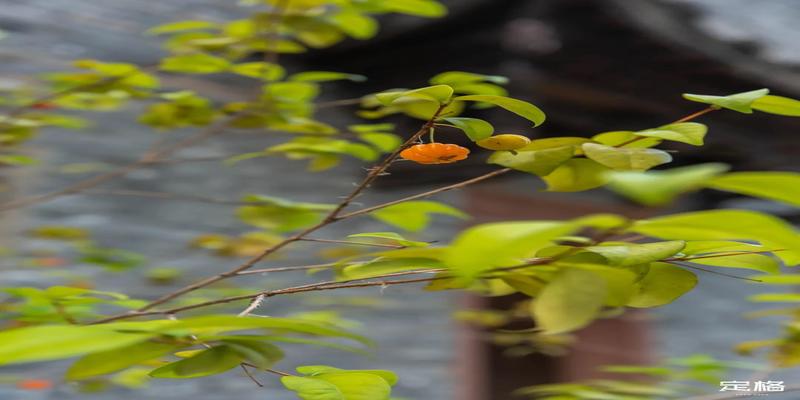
[43,105]
[50,262]
[34,384]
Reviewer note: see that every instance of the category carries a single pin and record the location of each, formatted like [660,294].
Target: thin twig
[286,269]
[391,246]
[249,375]
[320,286]
[684,119]
[254,304]
[332,217]
[429,193]
[147,159]
[711,271]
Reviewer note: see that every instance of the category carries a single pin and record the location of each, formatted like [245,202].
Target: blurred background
[591,65]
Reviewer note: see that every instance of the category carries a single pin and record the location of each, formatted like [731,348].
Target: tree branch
[332,217]
[429,193]
[146,159]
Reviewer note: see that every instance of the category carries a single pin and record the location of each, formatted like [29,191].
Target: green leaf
[635,254]
[292,92]
[52,342]
[420,8]
[475,129]
[777,105]
[625,158]
[198,63]
[308,147]
[354,24]
[569,302]
[180,26]
[387,266]
[779,186]
[663,284]
[312,389]
[538,162]
[259,70]
[576,175]
[17,159]
[259,353]
[460,77]
[655,188]
[685,132]
[312,370]
[482,89]
[757,262]
[502,244]
[325,76]
[211,361]
[414,215]
[111,259]
[385,142]
[625,139]
[554,142]
[696,247]
[391,237]
[620,283]
[215,323]
[519,107]
[775,298]
[741,102]
[726,225]
[327,383]
[104,362]
[439,94]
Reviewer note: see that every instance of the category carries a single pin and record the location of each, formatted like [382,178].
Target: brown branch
[286,269]
[332,217]
[711,271]
[249,375]
[146,159]
[429,193]
[313,287]
[391,246]
[684,119]
[254,304]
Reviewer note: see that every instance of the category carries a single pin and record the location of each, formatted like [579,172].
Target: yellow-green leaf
[519,107]
[654,188]
[576,175]
[625,158]
[741,102]
[569,302]
[475,129]
[663,284]
[539,162]
[726,225]
[779,186]
[777,105]
[686,132]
